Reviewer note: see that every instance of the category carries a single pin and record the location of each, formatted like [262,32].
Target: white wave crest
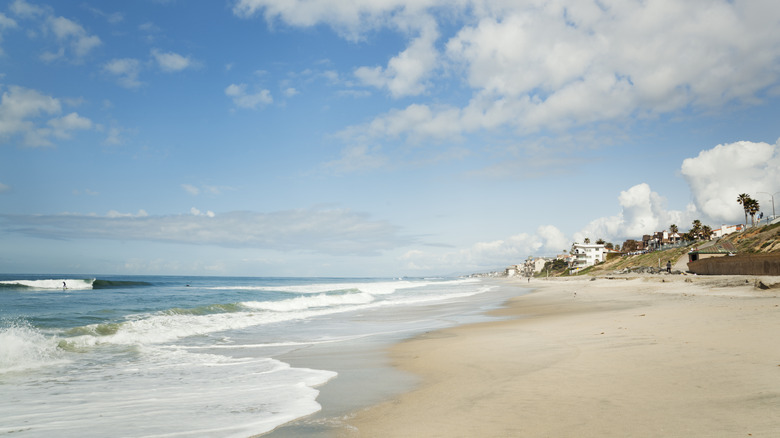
[308,302]
[62,283]
[374,288]
[23,347]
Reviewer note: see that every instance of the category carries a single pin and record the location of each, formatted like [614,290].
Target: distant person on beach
[669,266]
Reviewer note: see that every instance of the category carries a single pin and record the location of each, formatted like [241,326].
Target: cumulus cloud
[718,175]
[326,231]
[349,19]
[126,71]
[553,64]
[32,115]
[242,99]
[642,211]
[171,62]
[406,73]
[195,212]
[72,33]
[73,41]
[715,178]
[63,126]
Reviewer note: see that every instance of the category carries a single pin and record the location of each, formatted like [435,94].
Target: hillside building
[586,254]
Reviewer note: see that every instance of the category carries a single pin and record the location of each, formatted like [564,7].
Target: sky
[371,138]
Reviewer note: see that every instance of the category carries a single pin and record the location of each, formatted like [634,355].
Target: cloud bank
[326,231]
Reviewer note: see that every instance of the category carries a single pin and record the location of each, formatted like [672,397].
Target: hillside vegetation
[752,241]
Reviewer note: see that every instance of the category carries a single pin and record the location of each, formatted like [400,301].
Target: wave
[23,347]
[308,302]
[69,284]
[108,284]
[373,288]
[52,283]
[177,323]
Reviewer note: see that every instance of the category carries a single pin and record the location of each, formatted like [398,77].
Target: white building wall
[586,254]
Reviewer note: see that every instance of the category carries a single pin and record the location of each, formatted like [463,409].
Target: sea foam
[22,347]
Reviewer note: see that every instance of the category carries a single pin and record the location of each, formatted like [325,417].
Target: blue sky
[374,138]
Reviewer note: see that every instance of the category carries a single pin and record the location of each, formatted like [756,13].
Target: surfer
[64,285]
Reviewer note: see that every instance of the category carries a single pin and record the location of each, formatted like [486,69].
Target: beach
[638,356]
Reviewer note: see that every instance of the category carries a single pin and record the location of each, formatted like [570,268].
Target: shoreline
[366,376]
[642,356]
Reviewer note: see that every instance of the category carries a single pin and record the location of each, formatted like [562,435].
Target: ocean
[158,356]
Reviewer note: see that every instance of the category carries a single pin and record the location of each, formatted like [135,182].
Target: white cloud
[5,24]
[170,61]
[349,19]
[113,214]
[192,190]
[718,175]
[242,99]
[715,178]
[126,71]
[642,211]
[23,9]
[63,126]
[195,212]
[24,112]
[327,231]
[406,73]
[553,64]
[72,34]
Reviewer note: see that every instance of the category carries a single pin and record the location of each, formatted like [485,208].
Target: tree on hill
[696,230]
[673,228]
[706,232]
[753,208]
[744,199]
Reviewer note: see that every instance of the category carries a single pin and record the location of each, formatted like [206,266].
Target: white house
[727,229]
[586,254]
[535,264]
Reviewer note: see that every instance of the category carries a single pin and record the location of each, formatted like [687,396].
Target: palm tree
[696,230]
[587,240]
[752,209]
[744,199]
[673,228]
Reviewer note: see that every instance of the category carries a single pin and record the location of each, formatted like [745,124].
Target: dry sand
[628,357]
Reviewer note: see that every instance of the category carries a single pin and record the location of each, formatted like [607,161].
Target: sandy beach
[656,356]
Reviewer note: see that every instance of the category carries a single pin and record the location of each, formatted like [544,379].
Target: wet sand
[623,357]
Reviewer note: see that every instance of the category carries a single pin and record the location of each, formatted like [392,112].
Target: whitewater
[84,356]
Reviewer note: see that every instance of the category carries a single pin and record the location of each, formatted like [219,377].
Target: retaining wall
[741,264]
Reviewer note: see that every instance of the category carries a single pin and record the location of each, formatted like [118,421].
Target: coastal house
[585,255]
[535,264]
[513,270]
[659,239]
[727,229]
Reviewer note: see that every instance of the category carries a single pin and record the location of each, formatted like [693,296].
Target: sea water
[194,356]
